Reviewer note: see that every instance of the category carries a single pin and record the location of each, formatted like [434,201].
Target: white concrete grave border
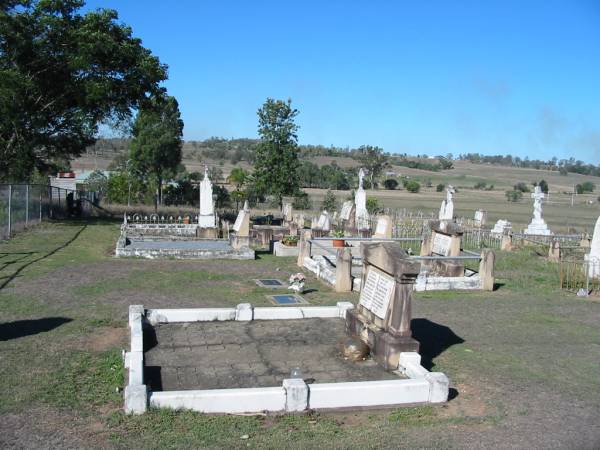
[294,395]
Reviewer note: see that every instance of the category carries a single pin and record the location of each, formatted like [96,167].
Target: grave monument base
[206,233]
[538,228]
[385,347]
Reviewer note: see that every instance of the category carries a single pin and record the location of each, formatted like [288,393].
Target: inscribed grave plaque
[441,245]
[377,292]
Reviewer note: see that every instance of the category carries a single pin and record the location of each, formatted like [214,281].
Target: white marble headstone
[346,210]
[593,257]
[324,222]
[206,218]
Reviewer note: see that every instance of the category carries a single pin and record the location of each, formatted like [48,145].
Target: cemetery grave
[191,366]
[188,238]
[497,394]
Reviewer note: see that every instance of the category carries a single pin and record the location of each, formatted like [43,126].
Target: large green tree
[155,149]
[276,158]
[374,160]
[62,74]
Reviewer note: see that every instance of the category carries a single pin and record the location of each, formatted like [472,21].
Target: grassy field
[523,360]
[562,213]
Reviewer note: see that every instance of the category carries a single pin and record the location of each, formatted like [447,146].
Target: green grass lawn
[524,361]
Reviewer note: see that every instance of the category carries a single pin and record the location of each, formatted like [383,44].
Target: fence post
[26,205]
[40,205]
[9,210]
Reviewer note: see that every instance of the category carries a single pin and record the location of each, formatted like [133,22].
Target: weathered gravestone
[445,240]
[322,226]
[480,218]
[382,319]
[383,230]
[348,218]
[287,213]
[241,228]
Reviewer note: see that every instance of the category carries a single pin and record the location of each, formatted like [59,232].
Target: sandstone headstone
[382,319]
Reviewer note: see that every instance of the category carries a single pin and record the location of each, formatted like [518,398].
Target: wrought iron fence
[475,239]
[24,205]
[580,276]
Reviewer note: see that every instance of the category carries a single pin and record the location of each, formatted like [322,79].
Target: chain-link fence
[24,205]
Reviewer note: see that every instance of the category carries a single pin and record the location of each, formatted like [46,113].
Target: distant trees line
[243,149]
[563,166]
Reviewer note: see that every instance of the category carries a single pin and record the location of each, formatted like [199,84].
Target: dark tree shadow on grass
[4,262]
[434,339]
[4,281]
[20,328]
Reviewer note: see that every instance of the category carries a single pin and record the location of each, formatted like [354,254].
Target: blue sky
[519,77]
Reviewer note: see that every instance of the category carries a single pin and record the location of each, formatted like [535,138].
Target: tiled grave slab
[218,355]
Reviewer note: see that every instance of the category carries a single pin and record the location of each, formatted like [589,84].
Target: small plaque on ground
[286,299]
[441,245]
[269,283]
[377,292]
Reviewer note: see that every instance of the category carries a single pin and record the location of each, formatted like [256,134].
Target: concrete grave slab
[270,283]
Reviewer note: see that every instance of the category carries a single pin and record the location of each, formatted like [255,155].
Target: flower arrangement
[290,240]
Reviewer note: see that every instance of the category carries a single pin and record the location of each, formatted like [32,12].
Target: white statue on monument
[360,202]
[206,219]
[447,207]
[537,225]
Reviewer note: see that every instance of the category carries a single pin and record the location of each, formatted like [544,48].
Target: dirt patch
[105,338]
[44,428]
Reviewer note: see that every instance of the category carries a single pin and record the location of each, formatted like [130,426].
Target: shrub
[329,202]
[390,184]
[301,201]
[373,206]
[440,187]
[480,185]
[412,186]
[587,186]
[514,196]
[521,187]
